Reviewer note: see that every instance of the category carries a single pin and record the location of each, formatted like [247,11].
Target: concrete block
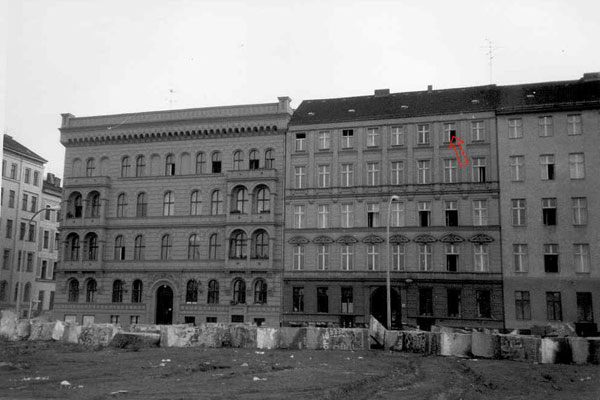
[434,343]
[144,328]
[267,338]
[455,344]
[243,335]
[314,338]
[205,335]
[71,333]
[555,350]
[416,341]
[377,331]
[174,335]
[393,340]
[8,325]
[97,334]
[520,348]
[594,348]
[580,349]
[23,329]
[41,330]
[485,345]
[345,339]
[292,338]
[58,331]
[135,340]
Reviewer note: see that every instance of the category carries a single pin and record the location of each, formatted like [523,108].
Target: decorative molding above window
[452,238]
[399,239]
[347,240]
[481,238]
[299,240]
[323,240]
[373,239]
[425,238]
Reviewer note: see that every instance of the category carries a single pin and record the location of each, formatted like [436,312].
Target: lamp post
[22,266]
[387,278]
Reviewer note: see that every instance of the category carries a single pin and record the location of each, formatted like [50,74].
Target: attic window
[474,101]
[311,113]
[351,110]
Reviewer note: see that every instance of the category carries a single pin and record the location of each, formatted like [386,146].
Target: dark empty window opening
[454,302]
[452,262]
[484,305]
[451,217]
[426,302]
[584,307]
[424,218]
[322,300]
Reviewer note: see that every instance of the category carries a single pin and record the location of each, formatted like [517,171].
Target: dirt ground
[35,370]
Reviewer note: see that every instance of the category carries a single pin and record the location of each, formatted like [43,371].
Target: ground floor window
[114,319]
[298,299]
[426,301]
[189,320]
[134,319]
[484,304]
[211,319]
[522,305]
[553,306]
[454,301]
[237,318]
[584,307]
[322,300]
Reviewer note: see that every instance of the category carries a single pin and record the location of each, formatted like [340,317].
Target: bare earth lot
[35,370]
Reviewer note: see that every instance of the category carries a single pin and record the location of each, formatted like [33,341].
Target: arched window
[27,292]
[269,159]
[193,247]
[239,291]
[238,159]
[165,247]
[191,292]
[213,246]
[119,248]
[195,203]
[73,291]
[260,292]
[216,203]
[237,244]
[139,248]
[263,200]
[16,295]
[72,250]
[121,205]
[260,241]
[213,292]
[117,291]
[90,167]
[200,162]
[254,161]
[136,291]
[90,291]
[170,165]
[216,162]
[168,204]
[74,208]
[3,291]
[141,207]
[90,247]
[93,205]
[140,166]
[125,166]
[240,203]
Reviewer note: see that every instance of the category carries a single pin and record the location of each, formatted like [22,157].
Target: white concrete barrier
[267,338]
[455,344]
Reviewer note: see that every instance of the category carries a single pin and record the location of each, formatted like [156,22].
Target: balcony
[251,175]
[87,181]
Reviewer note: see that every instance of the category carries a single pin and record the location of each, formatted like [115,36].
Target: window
[579,210]
[426,301]
[398,257]
[300,143]
[576,166]
[551,258]
[454,302]
[423,171]
[141,207]
[117,291]
[137,291]
[451,257]
[322,300]
[90,167]
[323,257]
[9,228]
[300,177]
[22,231]
[481,257]
[238,159]
[119,248]
[423,134]
[581,258]
[372,173]
[29,267]
[165,247]
[3,291]
[547,165]
[545,126]
[549,211]
[27,175]
[517,168]
[323,216]
[324,176]
[260,292]
[213,292]
[397,136]
[584,307]
[324,141]
[33,204]
[347,215]
[448,130]
[253,160]
[347,139]
[397,173]
[480,215]
[298,257]
[372,215]
[299,211]
[216,203]
[519,212]
[261,244]
[239,292]
[72,250]
[11,199]
[450,171]
[372,257]
[139,248]
[36,178]
[574,124]
[553,306]
[397,217]
[347,257]
[91,247]
[347,175]
[200,163]
[90,291]
[237,244]
[16,292]
[191,291]
[134,319]
[121,205]
[216,162]
[298,299]
[425,257]
[484,303]
[140,166]
[477,131]
[213,246]
[25,202]
[170,165]
[515,128]
[373,137]
[451,212]
[27,292]
[347,300]
[94,206]
[193,247]
[520,257]
[478,169]
[125,166]
[6,259]
[240,196]
[269,159]
[424,213]
[522,305]
[168,204]
[13,171]
[263,200]
[73,296]
[44,270]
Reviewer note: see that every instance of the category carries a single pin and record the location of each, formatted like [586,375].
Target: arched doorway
[379,306]
[164,305]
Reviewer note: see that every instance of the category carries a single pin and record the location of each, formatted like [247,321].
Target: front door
[379,306]
[164,305]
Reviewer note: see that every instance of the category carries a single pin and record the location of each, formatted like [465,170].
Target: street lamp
[387,278]
[22,266]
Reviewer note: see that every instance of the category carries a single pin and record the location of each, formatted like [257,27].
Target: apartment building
[174,216]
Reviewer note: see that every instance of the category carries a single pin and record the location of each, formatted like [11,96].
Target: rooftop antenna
[490,53]
[171,93]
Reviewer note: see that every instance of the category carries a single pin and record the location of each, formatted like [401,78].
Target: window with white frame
[398,257]
[347,141]
[424,208]
[450,170]
[551,257]
[324,175]
[347,175]
[477,131]
[298,256]
[425,257]
[324,140]
[520,257]
[517,168]
[253,159]
[299,177]
[545,125]
[372,257]
[372,215]
[216,203]
[519,213]
[423,134]
[397,173]
[299,211]
[581,258]
[397,217]
[549,211]
[451,208]
[347,257]
[168,204]
[323,216]
[576,166]
[300,142]
[579,210]
[448,130]
[373,137]
[478,169]
[451,257]
[347,215]
[481,257]
[397,136]
[323,257]
[238,160]
[480,214]
[515,128]
[423,171]
[372,173]
[574,124]
[547,166]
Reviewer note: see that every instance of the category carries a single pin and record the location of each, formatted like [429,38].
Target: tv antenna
[491,48]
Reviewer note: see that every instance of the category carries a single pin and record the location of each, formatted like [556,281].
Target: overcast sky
[90,57]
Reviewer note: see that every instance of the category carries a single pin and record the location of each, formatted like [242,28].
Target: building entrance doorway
[378,306]
[164,305]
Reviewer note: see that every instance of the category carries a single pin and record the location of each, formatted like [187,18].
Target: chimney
[429,88]
[382,92]
[65,119]
[284,104]
[590,77]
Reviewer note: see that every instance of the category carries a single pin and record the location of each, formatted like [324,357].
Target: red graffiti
[456,141]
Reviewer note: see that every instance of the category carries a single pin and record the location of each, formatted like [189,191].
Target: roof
[16,147]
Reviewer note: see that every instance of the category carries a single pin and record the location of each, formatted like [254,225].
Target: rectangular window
[477,131]
[324,176]
[347,257]
[347,300]
[46,242]
[324,140]
[545,126]
[553,306]
[551,258]
[423,171]
[33,204]
[323,216]
[11,199]
[25,202]
[423,134]
[574,124]
[484,304]
[372,257]
[372,173]
[576,166]
[300,177]
[520,257]
[480,214]
[581,258]
[585,312]
[31,235]
[481,257]
[298,299]
[298,256]
[517,168]
[547,165]
[299,212]
[6,259]
[9,228]
[579,210]
[425,257]
[454,305]
[479,170]
[27,175]
[451,208]
[397,218]
[397,137]
[22,231]
[36,178]
[347,139]
[29,262]
[451,257]
[424,213]
[426,301]
[519,213]
[450,171]
[398,257]
[322,300]
[323,257]
[300,141]
[347,175]
[347,215]
[372,215]
[13,171]
[448,130]
[373,137]
[522,305]
[515,128]
[397,173]
[549,211]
